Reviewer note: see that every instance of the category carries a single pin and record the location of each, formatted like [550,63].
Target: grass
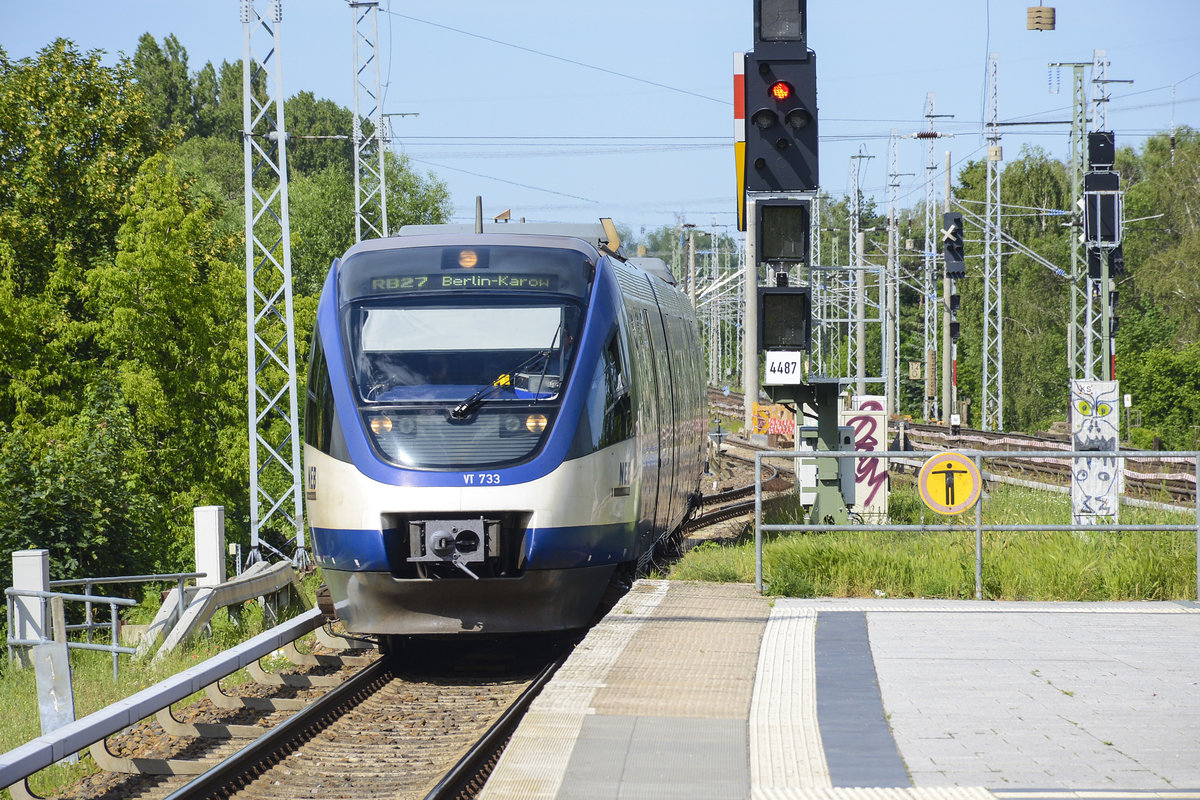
[1025,565]
[93,687]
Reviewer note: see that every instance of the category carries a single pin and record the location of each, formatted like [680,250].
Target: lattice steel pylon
[891,325]
[370,184]
[992,414]
[1077,333]
[275,499]
[847,280]
[929,284]
[815,282]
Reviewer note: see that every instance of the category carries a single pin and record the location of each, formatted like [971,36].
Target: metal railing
[22,761]
[114,622]
[978,456]
[88,584]
[18,612]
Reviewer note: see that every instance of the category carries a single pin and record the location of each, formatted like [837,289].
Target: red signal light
[780,90]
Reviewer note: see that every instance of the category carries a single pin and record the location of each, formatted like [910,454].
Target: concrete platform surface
[711,691]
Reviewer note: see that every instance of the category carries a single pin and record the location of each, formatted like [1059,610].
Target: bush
[74,491]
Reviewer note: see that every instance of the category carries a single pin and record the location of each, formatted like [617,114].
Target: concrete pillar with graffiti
[868,418]
[1096,481]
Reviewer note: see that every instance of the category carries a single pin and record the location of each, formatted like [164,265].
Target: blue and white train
[496,422]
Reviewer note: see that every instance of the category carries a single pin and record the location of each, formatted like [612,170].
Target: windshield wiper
[469,406]
[546,363]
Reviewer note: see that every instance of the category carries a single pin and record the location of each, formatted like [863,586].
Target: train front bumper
[537,600]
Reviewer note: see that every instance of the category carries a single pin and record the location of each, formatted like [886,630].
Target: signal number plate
[783,368]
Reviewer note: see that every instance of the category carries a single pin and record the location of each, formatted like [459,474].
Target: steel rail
[474,762]
[224,779]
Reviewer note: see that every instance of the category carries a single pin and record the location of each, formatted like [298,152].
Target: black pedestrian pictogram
[949,472]
[959,485]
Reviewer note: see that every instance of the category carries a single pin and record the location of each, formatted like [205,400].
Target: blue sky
[519,102]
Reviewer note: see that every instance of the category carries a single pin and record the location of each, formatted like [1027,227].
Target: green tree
[1165,385]
[72,136]
[322,223]
[308,116]
[1162,247]
[171,309]
[413,198]
[162,75]
[218,97]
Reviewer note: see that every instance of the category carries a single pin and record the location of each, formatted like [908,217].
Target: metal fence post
[979,533]
[114,626]
[758,550]
[87,609]
[180,605]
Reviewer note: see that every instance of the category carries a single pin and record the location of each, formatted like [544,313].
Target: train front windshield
[459,355]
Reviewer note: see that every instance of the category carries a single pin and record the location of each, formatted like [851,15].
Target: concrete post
[210,544]
[750,382]
[860,313]
[31,571]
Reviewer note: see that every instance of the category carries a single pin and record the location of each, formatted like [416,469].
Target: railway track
[729,502]
[1147,478]
[426,723]
[389,732]
[1151,479]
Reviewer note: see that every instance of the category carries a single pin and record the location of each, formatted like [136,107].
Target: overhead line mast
[992,413]
[370,182]
[275,499]
[929,291]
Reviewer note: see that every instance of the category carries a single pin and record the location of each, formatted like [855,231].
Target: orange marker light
[468,259]
[781,90]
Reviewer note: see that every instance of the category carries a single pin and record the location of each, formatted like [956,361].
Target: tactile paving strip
[932,606]
[785,740]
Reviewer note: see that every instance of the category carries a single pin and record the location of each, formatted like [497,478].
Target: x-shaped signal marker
[948,233]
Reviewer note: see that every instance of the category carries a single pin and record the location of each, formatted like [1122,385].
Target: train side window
[318,406]
[609,407]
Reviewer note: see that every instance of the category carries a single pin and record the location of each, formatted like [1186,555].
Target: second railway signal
[952,243]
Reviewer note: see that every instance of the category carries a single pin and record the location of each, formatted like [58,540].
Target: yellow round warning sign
[949,483]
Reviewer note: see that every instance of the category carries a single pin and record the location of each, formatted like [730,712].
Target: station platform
[692,691]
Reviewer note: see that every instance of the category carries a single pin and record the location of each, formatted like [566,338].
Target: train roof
[594,234]
[444,235]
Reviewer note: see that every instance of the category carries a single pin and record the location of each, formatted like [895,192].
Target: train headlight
[535,423]
[381,425]
[406,426]
[512,424]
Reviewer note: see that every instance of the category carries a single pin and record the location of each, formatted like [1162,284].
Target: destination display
[426,270]
[465,280]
